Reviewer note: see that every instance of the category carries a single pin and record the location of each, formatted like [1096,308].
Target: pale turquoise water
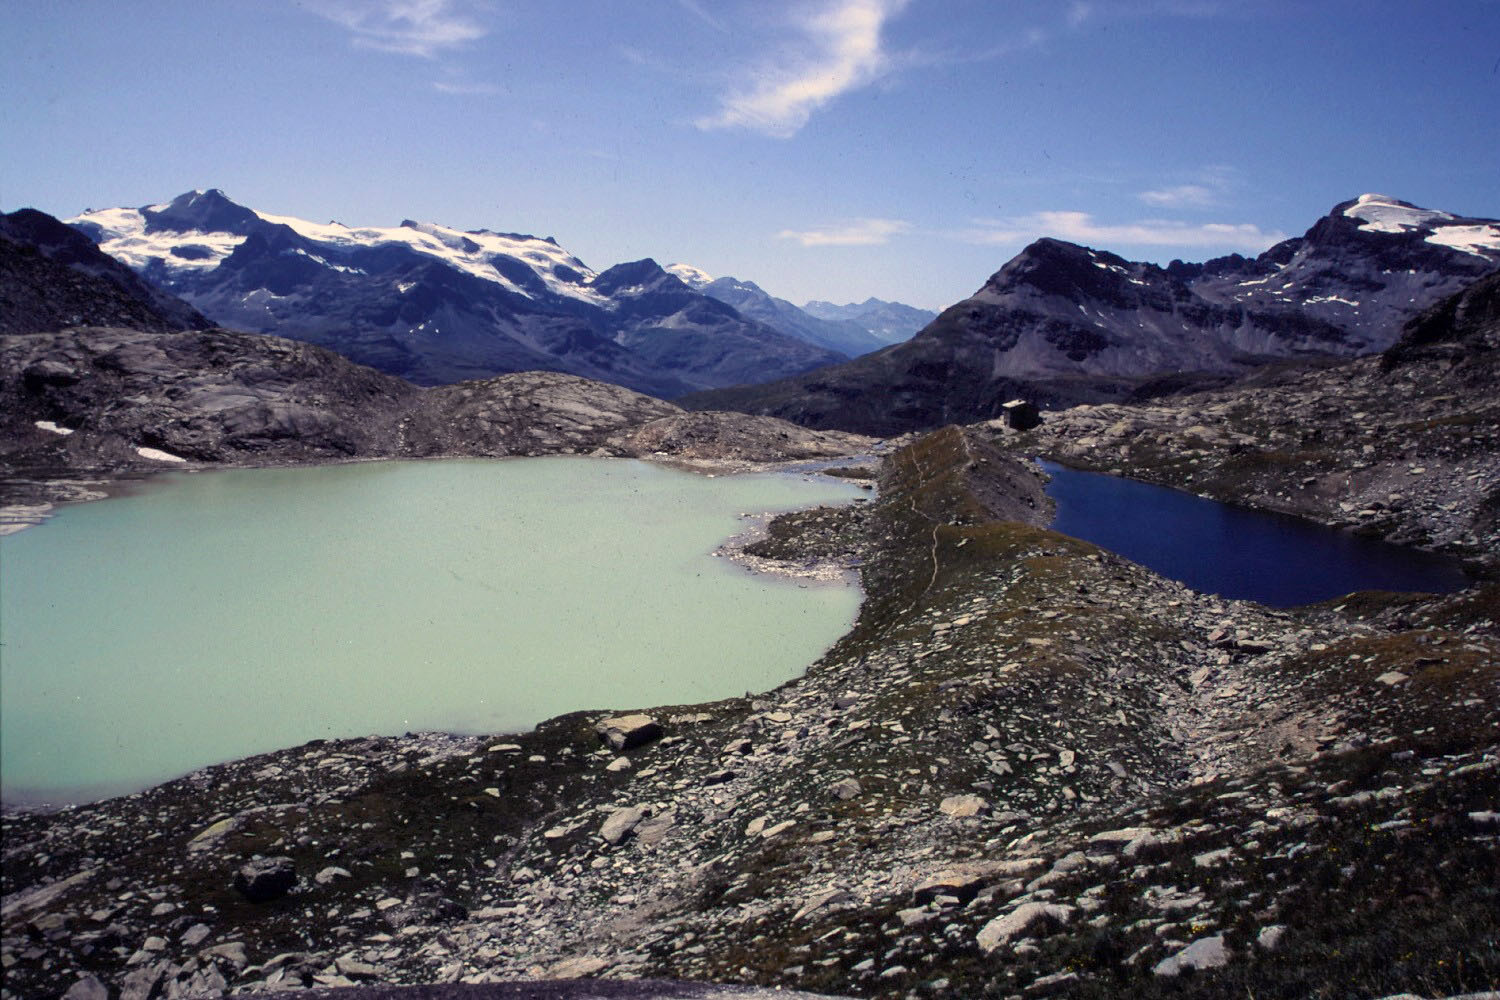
[215,615]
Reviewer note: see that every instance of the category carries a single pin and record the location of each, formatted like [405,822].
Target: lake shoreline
[1236,551]
[661,499]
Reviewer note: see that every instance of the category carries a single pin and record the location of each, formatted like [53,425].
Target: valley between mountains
[1031,769]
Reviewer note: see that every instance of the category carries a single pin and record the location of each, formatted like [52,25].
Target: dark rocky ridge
[219,398]
[53,277]
[1031,768]
[1061,324]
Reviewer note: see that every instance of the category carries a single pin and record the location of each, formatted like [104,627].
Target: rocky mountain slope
[53,277]
[1061,323]
[1403,445]
[436,305]
[848,338]
[95,404]
[1031,769]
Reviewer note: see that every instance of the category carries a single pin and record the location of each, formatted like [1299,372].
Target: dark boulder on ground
[265,879]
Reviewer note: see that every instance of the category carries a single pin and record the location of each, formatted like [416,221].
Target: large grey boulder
[1003,929]
[963,885]
[1204,953]
[845,790]
[87,988]
[625,732]
[619,824]
[963,806]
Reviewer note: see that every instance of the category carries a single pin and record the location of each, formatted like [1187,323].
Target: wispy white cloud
[461,87]
[1060,22]
[1206,187]
[697,10]
[854,233]
[1082,227]
[836,49]
[409,27]
[1181,196]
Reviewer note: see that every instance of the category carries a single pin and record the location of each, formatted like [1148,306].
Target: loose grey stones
[265,879]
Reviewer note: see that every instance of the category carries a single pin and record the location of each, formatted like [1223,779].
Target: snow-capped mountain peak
[689,275]
[1380,213]
[1383,214]
[198,231]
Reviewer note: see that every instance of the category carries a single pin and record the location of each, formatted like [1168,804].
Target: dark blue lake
[1234,552]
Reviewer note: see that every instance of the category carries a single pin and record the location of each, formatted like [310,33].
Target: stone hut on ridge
[1021,415]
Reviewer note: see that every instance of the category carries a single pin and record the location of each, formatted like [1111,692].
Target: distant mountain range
[851,330]
[437,305]
[1062,323]
[890,322]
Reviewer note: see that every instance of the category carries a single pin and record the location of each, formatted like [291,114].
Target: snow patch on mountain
[1470,239]
[122,234]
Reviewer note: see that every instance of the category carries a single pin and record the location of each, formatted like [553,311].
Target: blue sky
[828,149]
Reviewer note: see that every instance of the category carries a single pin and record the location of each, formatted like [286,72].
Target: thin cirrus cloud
[460,87]
[836,50]
[856,233]
[1082,227]
[696,9]
[409,27]
[1181,196]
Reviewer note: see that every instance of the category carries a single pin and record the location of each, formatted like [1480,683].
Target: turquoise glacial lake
[215,615]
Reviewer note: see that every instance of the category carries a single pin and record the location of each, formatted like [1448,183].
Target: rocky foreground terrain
[88,407]
[1031,769]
